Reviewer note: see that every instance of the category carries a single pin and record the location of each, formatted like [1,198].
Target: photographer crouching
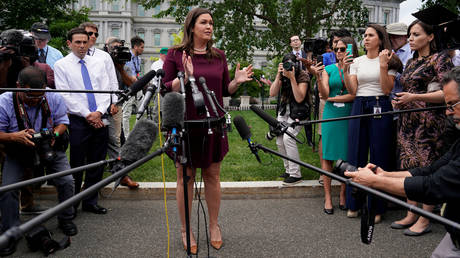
[32,126]
[291,86]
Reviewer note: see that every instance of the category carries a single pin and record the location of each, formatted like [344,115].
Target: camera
[14,41]
[272,133]
[120,54]
[288,65]
[39,238]
[44,151]
[341,166]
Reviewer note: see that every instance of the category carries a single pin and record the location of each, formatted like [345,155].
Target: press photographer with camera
[119,55]
[30,124]
[291,85]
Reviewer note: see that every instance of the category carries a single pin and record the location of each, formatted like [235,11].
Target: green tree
[57,14]
[242,26]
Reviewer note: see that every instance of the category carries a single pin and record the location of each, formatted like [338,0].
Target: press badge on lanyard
[377,108]
[339,104]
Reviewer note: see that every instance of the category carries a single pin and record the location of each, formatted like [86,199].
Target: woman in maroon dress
[196,57]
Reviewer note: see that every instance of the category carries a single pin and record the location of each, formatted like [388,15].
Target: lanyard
[25,117]
[343,82]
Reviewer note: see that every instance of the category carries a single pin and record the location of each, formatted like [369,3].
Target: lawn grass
[239,164]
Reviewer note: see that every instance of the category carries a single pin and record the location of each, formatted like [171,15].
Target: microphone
[245,134]
[136,86]
[173,111]
[181,76]
[160,76]
[146,100]
[202,80]
[138,144]
[173,116]
[282,126]
[198,99]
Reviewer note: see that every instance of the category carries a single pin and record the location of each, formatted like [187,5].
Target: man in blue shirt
[39,111]
[400,45]
[46,54]
[137,48]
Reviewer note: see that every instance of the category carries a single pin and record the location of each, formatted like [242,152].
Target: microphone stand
[378,193]
[183,162]
[369,115]
[151,89]
[16,232]
[21,184]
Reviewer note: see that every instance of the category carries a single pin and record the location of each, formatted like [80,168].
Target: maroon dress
[203,148]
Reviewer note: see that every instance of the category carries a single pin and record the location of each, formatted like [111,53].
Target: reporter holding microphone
[196,57]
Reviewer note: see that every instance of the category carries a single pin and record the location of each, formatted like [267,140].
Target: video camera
[341,166]
[16,45]
[445,24]
[120,54]
[44,151]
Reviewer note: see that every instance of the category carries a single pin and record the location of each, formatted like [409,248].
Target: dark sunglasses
[342,49]
[95,34]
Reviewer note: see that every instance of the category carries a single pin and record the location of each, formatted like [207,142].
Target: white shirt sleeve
[62,82]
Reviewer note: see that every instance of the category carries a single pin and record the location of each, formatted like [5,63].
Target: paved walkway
[251,228]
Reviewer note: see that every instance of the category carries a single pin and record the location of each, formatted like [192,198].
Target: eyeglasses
[90,33]
[342,49]
[451,107]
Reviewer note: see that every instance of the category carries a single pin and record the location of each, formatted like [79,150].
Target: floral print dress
[419,132]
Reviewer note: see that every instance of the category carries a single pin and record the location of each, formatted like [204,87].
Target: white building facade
[126,18]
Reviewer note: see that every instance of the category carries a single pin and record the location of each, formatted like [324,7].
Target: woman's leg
[342,195]
[327,165]
[410,217]
[422,222]
[211,178]
[180,199]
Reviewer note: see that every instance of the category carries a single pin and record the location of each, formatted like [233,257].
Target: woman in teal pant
[338,103]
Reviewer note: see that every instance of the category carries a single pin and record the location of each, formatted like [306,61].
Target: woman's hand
[306,62]
[384,58]
[243,75]
[289,74]
[404,98]
[187,63]
[347,61]
[317,70]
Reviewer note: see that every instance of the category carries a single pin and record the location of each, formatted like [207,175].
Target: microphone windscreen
[173,111]
[140,84]
[160,73]
[139,141]
[265,116]
[202,80]
[242,127]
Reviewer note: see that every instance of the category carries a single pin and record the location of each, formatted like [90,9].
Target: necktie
[300,63]
[41,56]
[89,52]
[87,81]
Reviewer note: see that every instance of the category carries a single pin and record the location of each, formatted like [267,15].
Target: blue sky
[406,8]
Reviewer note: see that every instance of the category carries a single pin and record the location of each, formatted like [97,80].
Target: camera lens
[288,66]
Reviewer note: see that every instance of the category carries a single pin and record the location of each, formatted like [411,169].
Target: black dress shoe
[68,227]
[343,207]
[96,209]
[329,211]
[8,250]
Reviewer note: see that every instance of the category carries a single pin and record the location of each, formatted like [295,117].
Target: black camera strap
[22,117]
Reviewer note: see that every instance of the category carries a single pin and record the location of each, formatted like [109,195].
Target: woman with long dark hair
[197,57]
[332,87]
[419,133]
[371,78]
[291,87]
